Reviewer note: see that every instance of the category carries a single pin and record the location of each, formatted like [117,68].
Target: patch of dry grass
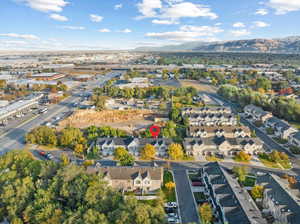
[86,118]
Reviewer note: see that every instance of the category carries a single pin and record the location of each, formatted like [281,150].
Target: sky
[126,24]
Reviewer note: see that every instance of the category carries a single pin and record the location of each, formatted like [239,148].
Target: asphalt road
[14,138]
[188,210]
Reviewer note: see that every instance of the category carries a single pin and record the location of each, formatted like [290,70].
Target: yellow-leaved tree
[175,151]
[148,152]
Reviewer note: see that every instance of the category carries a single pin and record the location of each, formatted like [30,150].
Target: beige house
[212,131]
[206,110]
[221,146]
[131,178]
[257,113]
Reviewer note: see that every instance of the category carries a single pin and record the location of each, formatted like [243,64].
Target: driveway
[188,210]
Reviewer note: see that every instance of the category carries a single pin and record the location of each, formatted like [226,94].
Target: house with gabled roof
[281,128]
[131,178]
[294,139]
[221,146]
[257,113]
[108,145]
[212,131]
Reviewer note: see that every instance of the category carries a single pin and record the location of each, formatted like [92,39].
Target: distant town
[149,137]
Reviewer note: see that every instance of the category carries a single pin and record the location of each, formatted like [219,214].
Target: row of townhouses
[131,178]
[209,119]
[231,204]
[212,131]
[222,146]
[281,128]
[108,145]
[206,110]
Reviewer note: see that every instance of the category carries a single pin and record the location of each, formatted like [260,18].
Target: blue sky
[125,24]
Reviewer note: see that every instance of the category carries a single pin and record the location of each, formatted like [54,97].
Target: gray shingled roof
[128,173]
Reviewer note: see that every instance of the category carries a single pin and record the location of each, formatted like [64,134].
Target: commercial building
[47,76]
[19,107]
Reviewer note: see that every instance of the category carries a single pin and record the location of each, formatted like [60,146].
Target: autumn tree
[292,181]
[148,152]
[65,159]
[79,149]
[170,185]
[125,158]
[257,191]
[243,156]
[120,152]
[71,136]
[42,135]
[175,151]
[241,172]
[206,213]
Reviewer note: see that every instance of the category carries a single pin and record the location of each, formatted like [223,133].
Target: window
[137,182]
[146,182]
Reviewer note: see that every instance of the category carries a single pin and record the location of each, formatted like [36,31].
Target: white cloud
[260,24]
[188,33]
[104,30]
[118,6]
[261,12]
[58,17]
[164,22]
[96,18]
[173,9]
[125,31]
[218,24]
[239,33]
[284,6]
[20,36]
[73,27]
[147,7]
[238,25]
[188,9]
[46,5]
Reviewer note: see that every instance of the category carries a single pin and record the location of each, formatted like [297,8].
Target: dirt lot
[128,120]
[199,86]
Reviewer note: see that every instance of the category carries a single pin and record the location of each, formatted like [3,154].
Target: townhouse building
[212,131]
[143,179]
[294,139]
[108,145]
[281,128]
[257,113]
[221,146]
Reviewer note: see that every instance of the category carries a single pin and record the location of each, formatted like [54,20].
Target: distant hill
[283,45]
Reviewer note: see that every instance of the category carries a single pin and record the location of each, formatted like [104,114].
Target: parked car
[42,153]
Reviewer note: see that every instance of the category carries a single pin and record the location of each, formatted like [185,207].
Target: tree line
[280,106]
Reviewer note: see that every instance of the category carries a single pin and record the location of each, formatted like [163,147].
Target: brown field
[199,86]
[128,120]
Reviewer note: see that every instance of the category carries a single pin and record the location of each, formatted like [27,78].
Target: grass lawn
[295,125]
[239,160]
[213,159]
[267,163]
[169,195]
[249,181]
[149,202]
[285,164]
[280,141]
[199,196]
[295,150]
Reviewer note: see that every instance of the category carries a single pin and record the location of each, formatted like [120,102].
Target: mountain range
[279,45]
